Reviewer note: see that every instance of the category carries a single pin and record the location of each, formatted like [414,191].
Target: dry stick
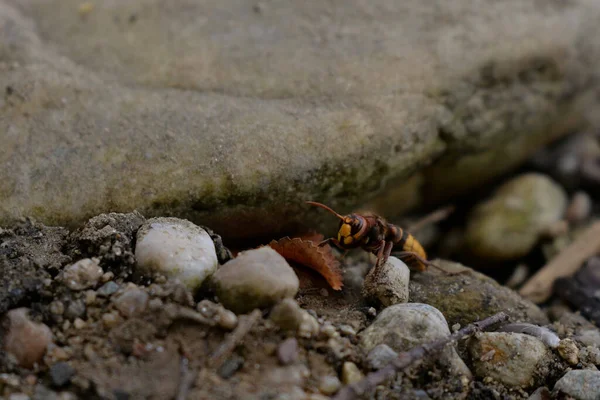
[539,287]
[436,216]
[234,338]
[186,381]
[409,357]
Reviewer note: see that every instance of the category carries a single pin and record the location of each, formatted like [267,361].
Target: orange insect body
[309,254]
[375,235]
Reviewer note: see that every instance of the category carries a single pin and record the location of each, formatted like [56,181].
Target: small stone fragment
[223,317]
[57,307]
[176,248]
[79,323]
[131,302]
[287,315]
[309,327]
[580,208]
[579,384]
[111,319]
[380,356]
[75,309]
[590,355]
[90,297]
[230,366]
[84,274]
[569,351]
[287,352]
[61,373]
[350,373]
[257,278]
[387,284]
[108,289]
[514,359]
[24,339]
[329,385]
[347,330]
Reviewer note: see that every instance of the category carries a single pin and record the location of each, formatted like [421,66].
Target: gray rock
[328,385]
[470,296]
[176,248]
[388,283]
[380,356]
[510,223]
[540,394]
[211,121]
[61,373]
[287,351]
[108,289]
[580,384]
[404,326]
[255,279]
[514,359]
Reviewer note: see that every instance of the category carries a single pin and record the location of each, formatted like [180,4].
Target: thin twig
[225,349]
[187,379]
[410,357]
[539,287]
[432,218]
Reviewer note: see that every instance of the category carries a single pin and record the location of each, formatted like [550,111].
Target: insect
[374,234]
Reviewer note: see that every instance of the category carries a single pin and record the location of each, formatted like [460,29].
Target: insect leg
[384,252]
[427,263]
[328,241]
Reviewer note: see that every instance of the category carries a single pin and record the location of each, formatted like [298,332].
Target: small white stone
[83,274]
[176,248]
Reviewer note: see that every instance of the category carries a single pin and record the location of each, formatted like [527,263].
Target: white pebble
[176,248]
[84,274]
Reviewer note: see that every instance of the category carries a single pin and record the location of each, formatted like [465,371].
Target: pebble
[380,356]
[110,320]
[18,396]
[590,355]
[329,385]
[24,339]
[108,289]
[350,373]
[258,278]
[509,224]
[287,351]
[404,326]
[90,297]
[287,315]
[57,307]
[388,283]
[177,249]
[580,208]
[514,359]
[549,338]
[223,317]
[329,330]
[75,309]
[230,366]
[61,373]
[579,384]
[133,301]
[569,351]
[347,330]
[79,323]
[84,274]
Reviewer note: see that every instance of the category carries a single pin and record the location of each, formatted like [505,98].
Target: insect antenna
[323,206]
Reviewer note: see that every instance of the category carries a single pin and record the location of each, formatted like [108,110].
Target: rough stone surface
[470,296]
[255,279]
[380,356]
[130,106]
[514,359]
[83,274]
[404,326]
[580,384]
[387,284]
[176,248]
[510,223]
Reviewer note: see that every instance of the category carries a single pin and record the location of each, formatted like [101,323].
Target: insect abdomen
[410,244]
